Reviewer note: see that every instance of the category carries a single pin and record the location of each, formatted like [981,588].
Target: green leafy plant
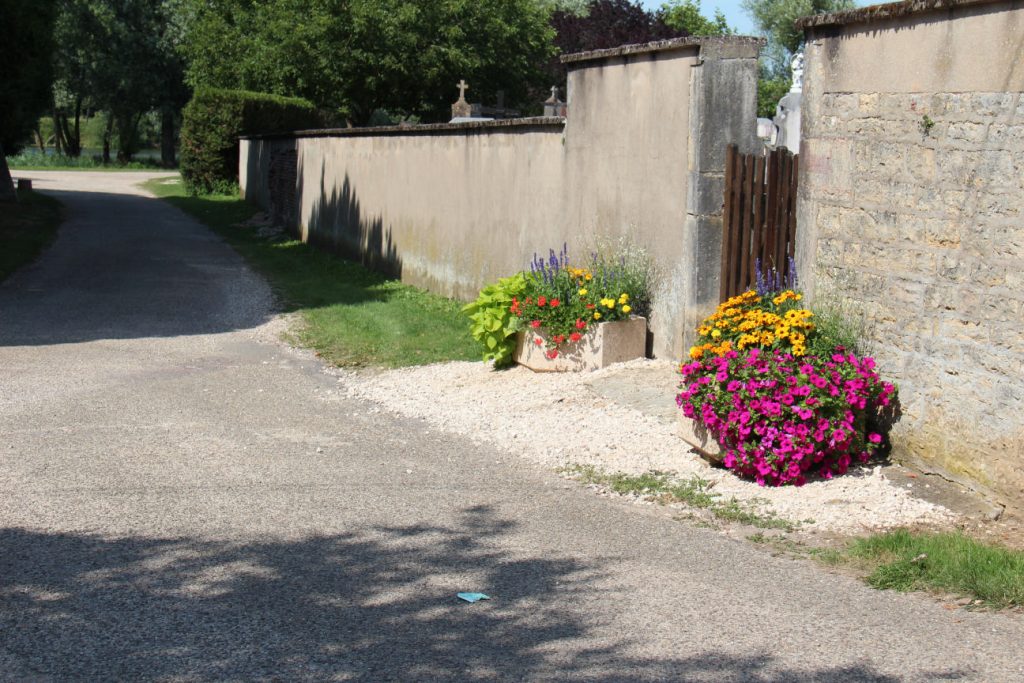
[214,119]
[492,322]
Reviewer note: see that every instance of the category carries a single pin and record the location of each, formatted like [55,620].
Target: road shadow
[372,605]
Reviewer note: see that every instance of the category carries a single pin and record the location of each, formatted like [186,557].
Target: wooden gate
[759,221]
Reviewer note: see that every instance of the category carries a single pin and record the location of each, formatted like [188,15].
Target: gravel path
[564,419]
[183,500]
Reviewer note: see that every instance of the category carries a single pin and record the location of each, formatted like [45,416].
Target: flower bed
[777,413]
[556,316]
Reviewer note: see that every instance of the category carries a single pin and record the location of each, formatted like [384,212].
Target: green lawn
[949,562]
[353,316]
[26,228]
[31,159]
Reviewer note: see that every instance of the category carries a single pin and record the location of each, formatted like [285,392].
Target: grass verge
[353,316]
[940,563]
[953,562]
[26,228]
[32,160]
[694,492]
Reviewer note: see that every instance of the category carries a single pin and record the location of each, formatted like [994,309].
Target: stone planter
[601,345]
[697,436]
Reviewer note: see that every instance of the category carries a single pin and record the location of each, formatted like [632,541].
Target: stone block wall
[910,217]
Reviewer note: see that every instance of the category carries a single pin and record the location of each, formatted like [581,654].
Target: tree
[685,15]
[604,24]
[355,57]
[119,56]
[776,20]
[26,46]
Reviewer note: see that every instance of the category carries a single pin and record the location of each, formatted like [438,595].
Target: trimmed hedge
[212,122]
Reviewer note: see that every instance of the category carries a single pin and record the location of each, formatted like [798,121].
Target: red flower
[580,324]
[538,341]
[554,303]
[575,336]
[559,338]
[534,324]
[552,354]
[541,300]
[590,306]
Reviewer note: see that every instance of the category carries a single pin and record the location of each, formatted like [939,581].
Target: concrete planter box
[697,436]
[601,345]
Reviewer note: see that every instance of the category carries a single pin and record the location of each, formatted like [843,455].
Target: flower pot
[694,433]
[601,345]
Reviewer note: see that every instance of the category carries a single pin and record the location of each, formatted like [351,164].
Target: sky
[734,13]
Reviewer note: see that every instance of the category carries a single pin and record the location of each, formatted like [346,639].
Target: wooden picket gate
[759,221]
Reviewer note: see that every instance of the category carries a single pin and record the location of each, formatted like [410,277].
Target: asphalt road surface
[183,499]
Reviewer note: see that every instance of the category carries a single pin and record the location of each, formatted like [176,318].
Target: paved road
[181,499]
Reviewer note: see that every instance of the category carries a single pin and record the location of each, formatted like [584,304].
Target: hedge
[212,122]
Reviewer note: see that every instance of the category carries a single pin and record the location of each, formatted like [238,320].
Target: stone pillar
[723,111]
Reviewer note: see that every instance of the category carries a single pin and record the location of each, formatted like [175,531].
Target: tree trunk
[71,147]
[40,143]
[58,140]
[7,192]
[167,137]
[77,146]
[106,138]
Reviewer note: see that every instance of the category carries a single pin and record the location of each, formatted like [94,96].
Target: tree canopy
[355,57]
[685,15]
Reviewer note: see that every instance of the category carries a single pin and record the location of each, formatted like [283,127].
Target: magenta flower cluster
[779,418]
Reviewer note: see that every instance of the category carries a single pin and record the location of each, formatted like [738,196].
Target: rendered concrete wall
[910,211]
[453,207]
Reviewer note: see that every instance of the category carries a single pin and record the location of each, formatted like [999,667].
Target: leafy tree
[776,20]
[604,24]
[26,40]
[685,15]
[119,56]
[355,57]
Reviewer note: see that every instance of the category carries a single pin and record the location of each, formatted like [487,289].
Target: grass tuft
[33,160]
[954,562]
[26,228]
[353,316]
[694,492]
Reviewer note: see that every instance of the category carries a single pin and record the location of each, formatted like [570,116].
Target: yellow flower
[583,292]
[696,352]
[624,298]
[627,308]
[597,315]
[715,334]
[588,277]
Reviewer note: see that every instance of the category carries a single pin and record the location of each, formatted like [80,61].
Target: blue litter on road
[472,597]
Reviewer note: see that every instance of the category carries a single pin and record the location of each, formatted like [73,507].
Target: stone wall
[910,215]
[452,207]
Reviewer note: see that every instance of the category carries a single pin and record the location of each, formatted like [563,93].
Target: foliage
[214,119]
[944,561]
[26,228]
[354,57]
[352,316]
[26,35]
[778,417]
[771,89]
[685,15]
[493,323]
[565,300]
[605,24]
[31,159]
[774,321]
[118,56]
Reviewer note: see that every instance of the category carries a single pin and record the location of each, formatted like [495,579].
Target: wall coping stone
[892,10]
[703,43]
[542,122]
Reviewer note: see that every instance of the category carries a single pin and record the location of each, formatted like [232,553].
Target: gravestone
[554,106]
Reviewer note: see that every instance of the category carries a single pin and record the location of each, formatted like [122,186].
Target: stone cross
[554,106]
[462,109]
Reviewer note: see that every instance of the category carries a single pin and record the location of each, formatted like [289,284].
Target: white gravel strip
[558,419]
